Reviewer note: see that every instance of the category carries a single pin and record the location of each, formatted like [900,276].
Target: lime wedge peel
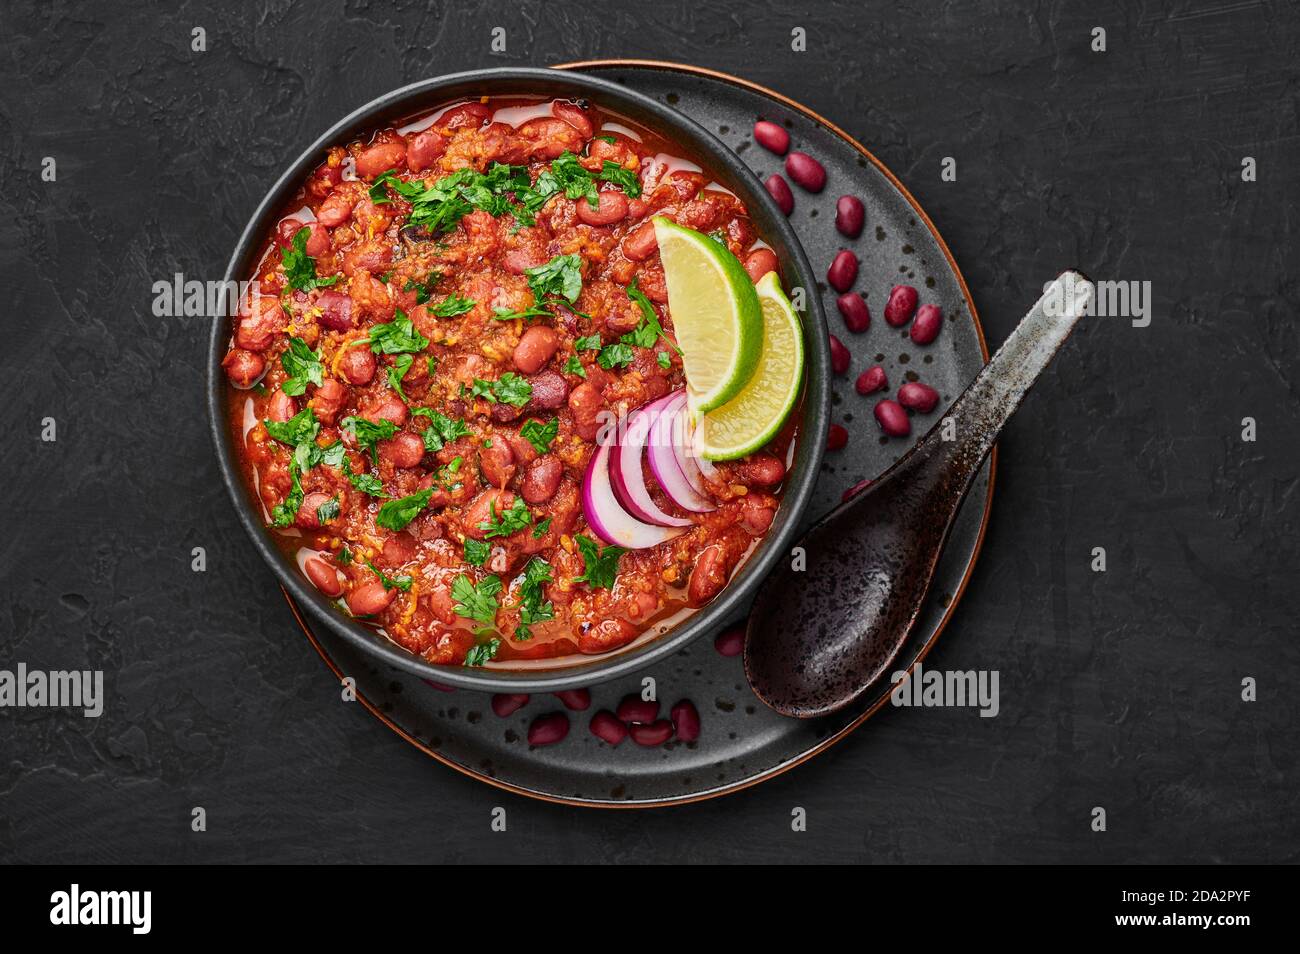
[716,315]
[755,415]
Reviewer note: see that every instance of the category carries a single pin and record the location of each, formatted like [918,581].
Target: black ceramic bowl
[720,162]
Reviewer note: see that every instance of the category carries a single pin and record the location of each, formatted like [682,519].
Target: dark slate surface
[1119,689]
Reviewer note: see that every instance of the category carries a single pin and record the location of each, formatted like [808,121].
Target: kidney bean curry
[418,377]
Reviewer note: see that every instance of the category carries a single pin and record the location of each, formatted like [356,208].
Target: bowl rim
[775,228]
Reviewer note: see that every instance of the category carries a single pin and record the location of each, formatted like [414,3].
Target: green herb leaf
[442,430]
[423,290]
[396,514]
[299,267]
[589,343]
[302,428]
[476,551]
[539,531]
[505,314]
[531,608]
[601,565]
[328,511]
[452,305]
[574,366]
[665,361]
[368,433]
[516,518]
[540,435]
[476,602]
[402,582]
[561,276]
[303,367]
[482,653]
[398,336]
[614,355]
[401,364]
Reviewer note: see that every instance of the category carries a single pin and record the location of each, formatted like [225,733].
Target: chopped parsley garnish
[482,653]
[302,428]
[396,514]
[283,514]
[476,551]
[510,388]
[344,557]
[531,608]
[512,520]
[402,582]
[451,306]
[299,267]
[423,290]
[303,367]
[561,277]
[398,336]
[369,433]
[615,355]
[589,343]
[574,366]
[649,330]
[540,435]
[442,430]
[567,174]
[601,565]
[539,531]
[401,364]
[505,314]
[328,511]
[665,361]
[478,603]
[366,483]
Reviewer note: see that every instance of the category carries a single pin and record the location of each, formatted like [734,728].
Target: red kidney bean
[840,357]
[891,417]
[918,397]
[398,549]
[761,470]
[389,408]
[403,449]
[853,491]
[424,149]
[635,709]
[611,207]
[779,190]
[480,510]
[871,380]
[606,727]
[849,216]
[243,367]
[337,208]
[771,137]
[323,576]
[759,262]
[901,304]
[730,642]
[508,703]
[380,158]
[548,729]
[926,327]
[370,598]
[577,700]
[496,462]
[466,115]
[857,316]
[536,347]
[541,479]
[330,397]
[574,115]
[318,240]
[686,721]
[307,518]
[335,311]
[843,271]
[281,407]
[836,437]
[656,733]
[805,171]
[709,576]
[550,391]
[641,243]
[358,365]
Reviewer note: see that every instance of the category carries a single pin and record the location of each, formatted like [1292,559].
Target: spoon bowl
[828,623]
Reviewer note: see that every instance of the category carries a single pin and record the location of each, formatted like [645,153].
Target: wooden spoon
[822,632]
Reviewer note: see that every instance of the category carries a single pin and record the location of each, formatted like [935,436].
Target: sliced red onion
[672,466]
[628,476]
[606,516]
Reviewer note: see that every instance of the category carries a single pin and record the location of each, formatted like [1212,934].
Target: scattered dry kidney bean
[771,137]
[849,216]
[730,642]
[779,189]
[805,171]
[843,271]
[840,357]
[548,729]
[654,733]
[857,316]
[892,418]
[686,720]
[635,709]
[918,397]
[576,699]
[871,380]
[507,703]
[929,320]
[836,437]
[605,726]
[853,491]
[901,304]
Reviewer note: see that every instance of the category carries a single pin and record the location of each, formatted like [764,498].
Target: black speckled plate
[741,742]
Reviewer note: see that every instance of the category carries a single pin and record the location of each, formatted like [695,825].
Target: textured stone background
[1119,689]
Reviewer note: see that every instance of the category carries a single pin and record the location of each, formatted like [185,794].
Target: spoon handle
[986,405]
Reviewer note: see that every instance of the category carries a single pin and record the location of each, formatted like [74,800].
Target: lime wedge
[715,312]
[752,417]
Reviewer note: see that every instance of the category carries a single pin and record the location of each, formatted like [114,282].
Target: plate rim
[843,732]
